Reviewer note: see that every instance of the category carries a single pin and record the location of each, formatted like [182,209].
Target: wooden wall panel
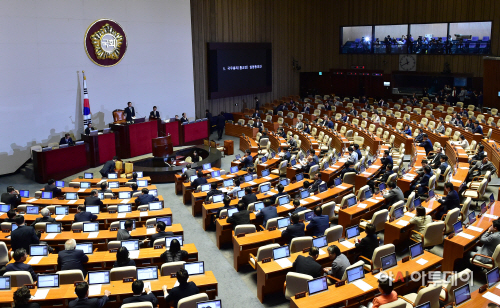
[309,32]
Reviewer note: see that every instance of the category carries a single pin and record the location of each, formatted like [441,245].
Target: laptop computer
[228,183]
[416,202]
[351,201]
[195,268]
[87,248]
[207,166]
[398,212]
[337,182]
[309,215]
[258,205]
[352,232]
[124,208]
[368,194]
[322,187]
[124,194]
[13,227]
[317,285]
[389,261]
[85,185]
[155,206]
[71,196]
[283,222]
[130,244]
[304,194]
[94,209]
[231,211]
[122,224]
[167,220]
[215,174]
[281,252]
[39,250]
[217,198]
[205,187]
[483,208]
[32,209]
[98,277]
[457,227]
[248,178]
[4,208]
[472,217]
[293,162]
[416,250]
[169,239]
[193,177]
[265,172]
[142,183]
[462,294]
[217,303]
[114,184]
[431,194]
[355,273]
[59,184]
[263,159]
[24,193]
[5,283]
[147,273]
[88,175]
[283,200]
[234,169]
[265,187]
[237,156]
[140,174]
[53,228]
[320,242]
[90,227]
[381,186]
[240,193]
[492,199]
[112,175]
[299,177]
[153,192]
[48,281]
[46,195]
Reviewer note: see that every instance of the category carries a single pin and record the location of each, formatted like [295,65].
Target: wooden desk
[249,144]
[87,191]
[457,248]
[96,181]
[459,177]
[362,179]
[179,180]
[493,153]
[60,163]
[237,130]
[407,180]
[56,201]
[455,153]
[364,210]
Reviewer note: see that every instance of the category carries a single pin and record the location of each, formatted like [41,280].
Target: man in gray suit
[394,194]
[299,125]
[189,172]
[480,168]
[490,241]
[339,262]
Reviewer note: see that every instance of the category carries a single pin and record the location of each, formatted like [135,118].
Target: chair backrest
[379,218]
[394,206]
[271,223]
[347,197]
[433,234]
[299,243]
[114,245]
[266,251]
[171,268]
[190,301]
[333,233]
[456,281]
[429,294]
[329,209]
[399,303]
[70,276]
[77,226]
[361,192]
[465,208]
[451,218]
[248,228]
[4,254]
[349,178]
[432,182]
[380,252]
[138,305]
[122,272]
[313,170]
[296,283]
[19,278]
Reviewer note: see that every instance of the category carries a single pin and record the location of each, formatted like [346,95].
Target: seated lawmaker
[124,234]
[213,191]
[269,211]
[249,196]
[490,240]
[89,129]
[449,202]
[20,257]
[189,172]
[81,215]
[145,197]
[366,246]
[93,199]
[11,214]
[133,179]
[139,296]
[45,217]
[477,128]
[122,258]
[174,253]
[24,235]
[308,265]
[22,298]
[382,178]
[184,118]
[104,188]
[393,195]
[419,221]
[407,130]
[242,217]
[154,114]
[480,168]
[319,223]
[247,160]
[51,186]
[339,262]
[423,185]
[109,167]
[297,206]
[11,197]
[200,180]
[387,294]
[426,144]
[296,229]
[66,140]
[83,300]
[71,258]
[160,232]
[184,289]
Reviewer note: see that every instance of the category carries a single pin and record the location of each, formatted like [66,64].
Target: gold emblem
[107,42]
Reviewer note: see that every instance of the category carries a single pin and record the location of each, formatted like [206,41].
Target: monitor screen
[230,212]
[205,187]
[325,165]
[265,187]
[32,210]
[94,209]
[53,228]
[4,208]
[140,174]
[215,174]
[416,202]
[13,227]
[234,169]
[416,250]
[293,162]
[431,193]
[281,252]
[304,194]
[59,183]
[155,206]
[492,277]
[153,192]
[217,198]
[389,261]
[483,208]
[87,175]
[299,177]
[195,268]
[114,184]
[355,273]
[38,250]
[5,283]
[387,83]
[62,210]
[457,227]
[85,185]
[351,201]
[167,220]
[248,177]
[98,277]
[283,200]
[24,193]
[368,194]
[472,217]
[48,281]
[90,227]
[398,212]
[47,195]
[492,198]
[86,247]
[124,208]
[283,222]
[265,172]
[259,205]
[209,304]
[169,239]
[263,159]
[320,242]
[142,183]
[317,285]
[337,181]
[122,224]
[462,294]
[237,156]
[352,232]
[240,193]
[284,182]
[130,244]
[228,183]
[308,215]
[381,186]
[112,175]
[322,187]
[124,195]
[207,166]
[424,305]
[71,196]
[147,273]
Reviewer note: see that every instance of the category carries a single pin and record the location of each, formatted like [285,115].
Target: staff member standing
[129,112]
[154,114]
[109,167]
[221,122]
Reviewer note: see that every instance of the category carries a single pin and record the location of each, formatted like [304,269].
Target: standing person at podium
[154,114]
[109,167]
[89,129]
[129,112]
[184,118]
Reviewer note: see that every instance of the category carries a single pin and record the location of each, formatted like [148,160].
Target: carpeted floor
[236,289]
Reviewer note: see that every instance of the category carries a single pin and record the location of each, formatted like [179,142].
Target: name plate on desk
[405,259]
[112,212]
[113,250]
[30,286]
[76,283]
[143,210]
[306,249]
[266,260]
[158,246]
[300,295]
[272,229]
[113,229]
[128,279]
[77,231]
[339,284]
[173,275]
[5,230]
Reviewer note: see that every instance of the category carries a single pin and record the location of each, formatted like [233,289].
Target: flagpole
[87,116]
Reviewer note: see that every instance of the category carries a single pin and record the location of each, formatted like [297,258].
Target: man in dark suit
[287,155]
[249,196]
[20,258]
[66,140]
[386,160]
[189,172]
[72,259]
[213,191]
[160,232]
[315,185]
[93,199]
[242,217]
[478,156]
[51,186]
[83,300]
[81,215]
[23,236]
[423,184]
[393,195]
[109,167]
[297,207]
[382,178]
[308,265]
[477,128]
[258,124]
[349,168]
[292,143]
[319,223]
[145,197]
[154,114]
[129,112]
[184,289]
[221,122]
[200,180]
[11,197]
[124,234]
[184,118]
[357,150]
[426,144]
[45,217]
[480,168]
[420,136]
[104,188]
[367,245]
[306,108]
[133,179]
[247,160]
[281,192]
[269,211]
[436,158]
[89,129]
[443,166]
[450,202]
[296,229]
[255,115]
[139,297]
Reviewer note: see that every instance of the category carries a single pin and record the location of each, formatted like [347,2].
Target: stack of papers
[81,190]
[125,201]
[41,294]
[303,202]
[150,231]
[314,198]
[93,234]
[134,254]
[251,183]
[492,297]
[32,200]
[347,244]
[288,206]
[142,214]
[35,260]
[366,173]
[362,205]
[59,217]
[122,215]
[72,201]
[403,223]
[362,285]
[210,170]
[284,262]
[50,236]
[95,289]
[467,236]
[475,229]
[410,214]
[373,200]
[490,216]
[341,187]
[268,178]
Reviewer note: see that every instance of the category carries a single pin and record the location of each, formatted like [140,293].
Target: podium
[134,139]
[101,148]
[162,146]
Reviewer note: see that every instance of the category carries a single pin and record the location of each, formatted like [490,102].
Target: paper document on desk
[464,168]
[341,187]
[265,165]
[284,262]
[229,176]
[379,198]
[403,223]
[456,181]
[362,205]
[59,217]
[475,229]
[122,215]
[321,252]
[125,201]
[366,173]
[50,236]
[210,170]
[93,234]
[374,167]
[373,200]
[315,198]
[41,294]
[347,244]
[147,284]
[343,160]
[303,202]
[268,177]
[422,261]
[142,214]
[150,231]
[427,210]
[134,254]
[32,200]
[288,206]
[362,285]
[72,201]
[410,214]
[490,216]
[467,236]
[95,289]
[251,183]
[35,260]
[81,190]
[492,297]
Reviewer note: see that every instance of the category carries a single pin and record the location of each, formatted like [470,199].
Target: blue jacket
[72,260]
[419,138]
[145,199]
[197,182]
[20,266]
[344,119]
[359,153]
[248,161]
[329,124]
[293,231]
[427,146]
[387,161]
[478,130]
[85,216]
[23,237]
[318,225]
[408,131]
[287,156]
[268,212]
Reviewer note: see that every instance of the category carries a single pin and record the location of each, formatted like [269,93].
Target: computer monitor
[122,224]
[169,239]
[205,187]
[326,165]
[492,277]
[320,242]
[124,208]
[60,184]
[48,281]
[381,186]
[281,252]
[351,201]
[317,285]
[217,303]
[193,177]
[215,174]
[130,244]
[32,209]
[114,184]
[457,227]
[362,169]
[299,177]
[263,159]
[100,196]
[308,215]
[142,183]
[228,183]
[39,250]
[240,193]
[259,205]
[431,193]
[217,198]
[389,261]
[368,194]
[483,208]
[112,175]
[231,211]
[305,194]
[352,232]
[337,182]
[492,198]
[4,208]
[322,187]
[237,156]
[424,305]
[153,192]
[398,212]
[90,227]
[46,195]
[53,227]
[195,268]
[167,220]
[265,187]
[283,222]
[71,196]
[124,195]
[98,277]
[462,294]
[416,250]
[88,175]
[85,185]
[283,200]
[207,166]
[24,193]
[248,177]
[234,169]
[147,273]
[94,209]
[13,227]
[87,248]
[472,217]
[293,162]
[140,174]
[355,273]
[416,202]
[265,172]
[5,283]
[155,206]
